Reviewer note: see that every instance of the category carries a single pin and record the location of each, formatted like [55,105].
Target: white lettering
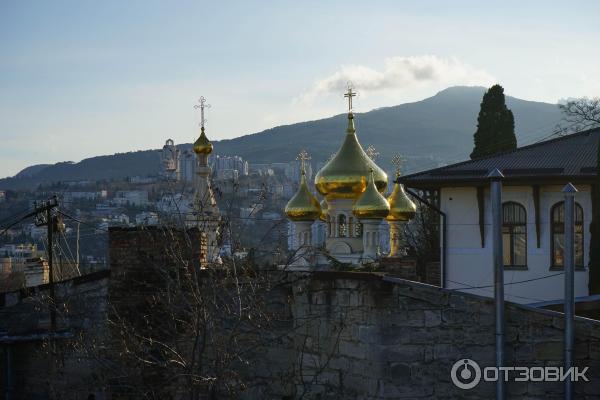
[552,374]
[581,374]
[540,374]
[486,376]
[522,374]
[564,375]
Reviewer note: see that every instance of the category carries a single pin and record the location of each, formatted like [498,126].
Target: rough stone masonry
[340,335]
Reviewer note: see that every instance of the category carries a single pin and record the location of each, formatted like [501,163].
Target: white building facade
[533,217]
[533,269]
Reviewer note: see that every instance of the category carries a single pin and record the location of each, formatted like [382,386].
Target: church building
[352,210]
[205,212]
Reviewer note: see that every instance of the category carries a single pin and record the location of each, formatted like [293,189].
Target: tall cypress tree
[495,125]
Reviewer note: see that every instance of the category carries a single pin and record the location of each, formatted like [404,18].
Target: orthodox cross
[202,106]
[371,152]
[303,156]
[349,95]
[398,161]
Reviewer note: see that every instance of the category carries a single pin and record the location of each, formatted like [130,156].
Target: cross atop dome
[303,156]
[349,95]
[202,105]
[398,161]
[372,152]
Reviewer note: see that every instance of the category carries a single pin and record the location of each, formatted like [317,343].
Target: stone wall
[321,335]
[39,363]
[373,337]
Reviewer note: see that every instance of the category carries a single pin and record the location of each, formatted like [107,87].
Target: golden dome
[345,175]
[324,205]
[303,206]
[371,204]
[402,208]
[202,145]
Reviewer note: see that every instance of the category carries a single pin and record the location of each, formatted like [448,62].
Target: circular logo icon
[465,374]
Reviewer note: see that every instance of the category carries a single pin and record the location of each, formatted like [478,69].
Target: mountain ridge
[430,132]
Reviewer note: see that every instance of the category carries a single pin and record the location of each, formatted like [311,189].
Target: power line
[511,283]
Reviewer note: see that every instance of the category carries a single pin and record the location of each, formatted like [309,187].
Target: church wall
[469,264]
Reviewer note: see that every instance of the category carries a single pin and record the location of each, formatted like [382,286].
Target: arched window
[514,234]
[350,227]
[558,234]
[342,225]
[358,231]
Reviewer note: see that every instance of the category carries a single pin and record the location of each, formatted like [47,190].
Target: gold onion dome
[202,145]
[401,207]
[303,206]
[324,205]
[345,175]
[371,204]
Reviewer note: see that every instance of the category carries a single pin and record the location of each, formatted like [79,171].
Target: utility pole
[496,198]
[50,221]
[569,264]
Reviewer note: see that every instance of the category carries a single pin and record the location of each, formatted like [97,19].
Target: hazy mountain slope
[116,166]
[436,130]
[441,126]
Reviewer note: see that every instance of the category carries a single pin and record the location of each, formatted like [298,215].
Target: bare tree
[580,114]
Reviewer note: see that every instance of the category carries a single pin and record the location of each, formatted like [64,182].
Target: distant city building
[105,209]
[187,166]
[2,196]
[279,166]
[169,158]
[231,163]
[19,252]
[70,196]
[276,189]
[227,174]
[288,190]
[293,168]
[24,259]
[174,204]
[34,232]
[78,183]
[142,179]
[262,169]
[113,220]
[146,218]
[131,197]
[271,215]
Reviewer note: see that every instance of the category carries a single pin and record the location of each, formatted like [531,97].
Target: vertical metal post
[8,373]
[50,226]
[569,265]
[496,199]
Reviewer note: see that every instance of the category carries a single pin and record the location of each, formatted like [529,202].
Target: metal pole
[569,264]
[50,226]
[496,198]
[8,373]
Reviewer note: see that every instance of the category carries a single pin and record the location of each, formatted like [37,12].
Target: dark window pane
[520,249]
[579,250]
[558,256]
[506,249]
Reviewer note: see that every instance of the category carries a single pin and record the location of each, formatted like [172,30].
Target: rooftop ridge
[518,149]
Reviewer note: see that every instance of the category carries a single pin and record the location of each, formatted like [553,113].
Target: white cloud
[404,73]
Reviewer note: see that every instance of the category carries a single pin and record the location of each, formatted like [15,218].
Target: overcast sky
[85,78]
